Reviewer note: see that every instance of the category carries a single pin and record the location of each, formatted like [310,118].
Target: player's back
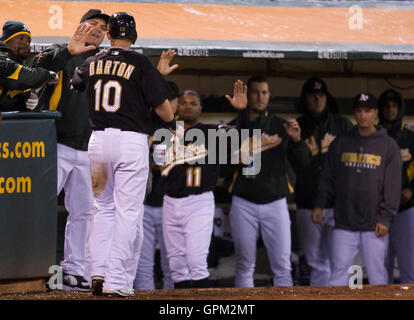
[123,85]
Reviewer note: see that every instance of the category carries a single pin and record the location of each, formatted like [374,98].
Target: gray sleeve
[392,185]
[298,154]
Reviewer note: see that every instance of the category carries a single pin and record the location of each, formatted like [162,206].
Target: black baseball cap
[366,99]
[314,85]
[12,29]
[95,13]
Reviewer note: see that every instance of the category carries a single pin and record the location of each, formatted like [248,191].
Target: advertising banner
[28,178]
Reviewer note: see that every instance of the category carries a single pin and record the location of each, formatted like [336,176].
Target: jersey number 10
[110,104]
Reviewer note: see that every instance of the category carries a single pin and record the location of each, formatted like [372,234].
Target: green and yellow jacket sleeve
[53,58]
[15,76]
[12,100]
[73,129]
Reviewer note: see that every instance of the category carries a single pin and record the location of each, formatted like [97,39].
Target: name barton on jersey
[111,67]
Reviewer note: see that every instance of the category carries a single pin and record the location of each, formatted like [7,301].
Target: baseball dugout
[28,177]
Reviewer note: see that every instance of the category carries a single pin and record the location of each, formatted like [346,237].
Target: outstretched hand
[77,43]
[239,100]
[164,63]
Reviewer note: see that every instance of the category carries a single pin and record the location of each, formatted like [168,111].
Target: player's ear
[108,36]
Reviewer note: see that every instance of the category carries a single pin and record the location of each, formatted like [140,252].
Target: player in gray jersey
[362,178]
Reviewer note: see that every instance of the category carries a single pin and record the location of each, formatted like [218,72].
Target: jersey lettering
[99,67]
[92,68]
[115,68]
[362,160]
[108,65]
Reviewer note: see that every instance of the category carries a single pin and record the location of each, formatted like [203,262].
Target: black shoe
[96,286]
[183,284]
[202,283]
[74,283]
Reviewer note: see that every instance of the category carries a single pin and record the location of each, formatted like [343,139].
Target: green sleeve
[12,102]
[53,58]
[15,76]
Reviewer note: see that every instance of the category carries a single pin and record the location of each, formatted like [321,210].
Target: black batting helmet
[122,26]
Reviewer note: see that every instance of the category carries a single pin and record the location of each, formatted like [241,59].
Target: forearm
[8,103]
[53,59]
[386,215]
[80,79]
[324,196]
[78,83]
[22,78]
[298,154]
[392,189]
[326,186]
[164,111]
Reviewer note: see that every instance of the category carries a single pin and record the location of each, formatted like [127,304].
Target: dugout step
[22,286]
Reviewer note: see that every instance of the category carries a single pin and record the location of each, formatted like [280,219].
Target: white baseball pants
[119,170]
[144,279]
[74,177]
[247,219]
[315,239]
[187,227]
[344,249]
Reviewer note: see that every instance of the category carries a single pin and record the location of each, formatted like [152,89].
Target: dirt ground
[368,292]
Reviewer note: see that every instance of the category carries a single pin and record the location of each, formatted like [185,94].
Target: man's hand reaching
[164,63]
[77,43]
[239,100]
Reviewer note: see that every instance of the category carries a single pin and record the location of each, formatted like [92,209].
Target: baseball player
[188,207]
[15,78]
[122,85]
[362,178]
[73,133]
[259,201]
[144,279]
[320,125]
[391,111]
